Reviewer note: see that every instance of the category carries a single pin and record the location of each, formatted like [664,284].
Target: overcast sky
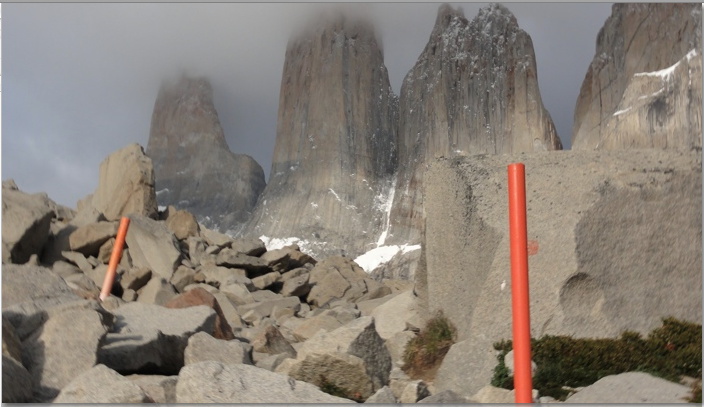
[80,80]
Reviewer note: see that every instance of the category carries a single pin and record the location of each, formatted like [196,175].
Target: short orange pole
[522,380]
[115,258]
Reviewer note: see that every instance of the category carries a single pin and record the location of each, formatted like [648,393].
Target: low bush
[426,351]
[337,391]
[671,351]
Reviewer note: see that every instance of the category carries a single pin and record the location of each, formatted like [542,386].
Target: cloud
[81,78]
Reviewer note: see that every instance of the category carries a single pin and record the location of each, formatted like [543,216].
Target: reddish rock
[199,296]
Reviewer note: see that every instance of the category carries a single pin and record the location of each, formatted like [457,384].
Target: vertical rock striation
[473,90]
[644,87]
[335,153]
[194,168]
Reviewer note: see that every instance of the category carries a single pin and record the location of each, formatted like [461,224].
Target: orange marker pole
[522,380]
[115,258]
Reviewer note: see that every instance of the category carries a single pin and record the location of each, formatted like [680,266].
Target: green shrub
[427,350]
[671,351]
[337,391]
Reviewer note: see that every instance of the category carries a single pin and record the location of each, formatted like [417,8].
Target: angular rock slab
[203,347]
[27,292]
[161,389]
[394,315]
[358,338]
[25,225]
[153,246]
[63,348]
[102,385]
[88,239]
[151,339]
[215,382]
[198,296]
[606,253]
[126,185]
[632,387]
[16,382]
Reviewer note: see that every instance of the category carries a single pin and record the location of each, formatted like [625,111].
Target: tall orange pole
[522,380]
[114,258]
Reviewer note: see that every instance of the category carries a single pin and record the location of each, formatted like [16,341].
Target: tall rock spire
[335,150]
[643,88]
[473,90]
[194,168]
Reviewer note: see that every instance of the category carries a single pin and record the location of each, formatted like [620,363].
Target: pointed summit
[335,149]
[194,168]
[473,90]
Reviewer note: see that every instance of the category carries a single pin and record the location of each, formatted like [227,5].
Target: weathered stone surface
[62,348]
[396,345]
[414,391]
[25,225]
[366,307]
[396,314]
[357,338]
[234,259]
[266,280]
[183,225]
[16,381]
[296,286]
[82,282]
[509,362]
[195,170]
[270,340]
[632,387]
[79,260]
[278,259]
[605,254]
[136,278]
[248,246]
[215,238]
[152,246]
[28,292]
[88,239]
[151,339]
[660,109]
[229,310]
[203,347]
[157,291]
[446,397]
[223,276]
[401,267]
[11,345]
[635,39]
[271,362]
[57,242]
[338,368]
[336,277]
[473,90]
[238,294]
[196,249]
[382,396]
[335,152]
[265,307]
[199,296]
[101,385]
[215,382]
[491,394]
[105,251]
[310,326]
[126,185]
[160,389]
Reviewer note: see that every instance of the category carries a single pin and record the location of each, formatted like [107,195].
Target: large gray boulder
[397,314]
[153,246]
[152,339]
[61,349]
[203,347]
[632,387]
[161,389]
[633,95]
[99,385]
[88,239]
[606,253]
[28,292]
[215,382]
[16,381]
[354,347]
[25,225]
[126,185]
